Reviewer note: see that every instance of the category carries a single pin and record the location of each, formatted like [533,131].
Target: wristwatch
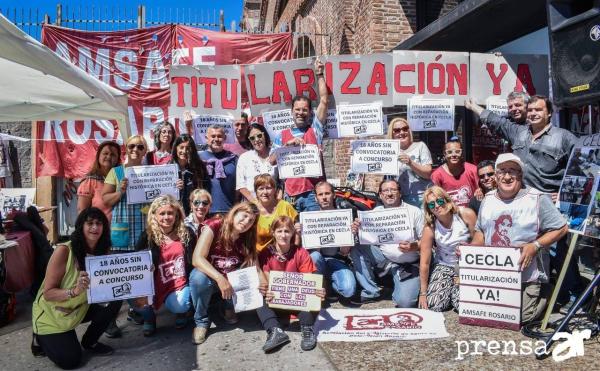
[537,245]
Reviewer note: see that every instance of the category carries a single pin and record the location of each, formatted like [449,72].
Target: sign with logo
[145,183]
[295,291]
[120,277]
[385,226]
[490,287]
[359,120]
[379,324]
[326,228]
[299,161]
[375,156]
[201,123]
[431,114]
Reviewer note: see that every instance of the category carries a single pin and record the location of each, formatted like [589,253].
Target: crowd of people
[234,212]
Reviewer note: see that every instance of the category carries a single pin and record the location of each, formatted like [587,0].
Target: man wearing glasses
[401,260]
[535,224]
[455,176]
[487,183]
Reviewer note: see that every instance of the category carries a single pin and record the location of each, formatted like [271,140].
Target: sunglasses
[255,137]
[400,130]
[451,152]
[486,175]
[439,202]
[197,203]
[140,147]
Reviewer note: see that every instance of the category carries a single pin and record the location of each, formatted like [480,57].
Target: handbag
[119,227]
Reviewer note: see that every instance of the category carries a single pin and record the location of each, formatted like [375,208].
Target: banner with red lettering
[138,62]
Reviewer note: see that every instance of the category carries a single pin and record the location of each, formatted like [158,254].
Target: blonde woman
[225,245]
[415,162]
[171,244]
[448,226]
[200,201]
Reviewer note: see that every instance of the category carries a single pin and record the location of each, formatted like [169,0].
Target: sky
[201,9]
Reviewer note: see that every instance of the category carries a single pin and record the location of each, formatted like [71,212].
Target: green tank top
[50,317]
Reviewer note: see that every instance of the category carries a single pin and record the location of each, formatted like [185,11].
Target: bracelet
[422,294]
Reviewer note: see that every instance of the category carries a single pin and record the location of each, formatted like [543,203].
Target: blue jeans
[202,288]
[304,201]
[365,258]
[342,278]
[179,301]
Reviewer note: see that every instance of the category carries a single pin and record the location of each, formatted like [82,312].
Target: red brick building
[343,27]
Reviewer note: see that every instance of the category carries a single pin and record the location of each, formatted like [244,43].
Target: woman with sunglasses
[192,172]
[446,227]
[415,162]
[200,201]
[254,162]
[89,192]
[164,136]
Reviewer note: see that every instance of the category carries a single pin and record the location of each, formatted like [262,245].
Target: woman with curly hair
[61,303]
[164,136]
[192,172]
[171,244]
[225,245]
[447,226]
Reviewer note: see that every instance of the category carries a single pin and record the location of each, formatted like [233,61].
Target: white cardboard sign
[375,156]
[145,183]
[497,104]
[326,228]
[431,114]
[246,295]
[277,121]
[201,123]
[359,120]
[299,161]
[119,277]
[385,226]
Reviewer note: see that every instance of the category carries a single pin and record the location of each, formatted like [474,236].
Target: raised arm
[323,94]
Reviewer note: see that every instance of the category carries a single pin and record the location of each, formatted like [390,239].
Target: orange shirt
[92,187]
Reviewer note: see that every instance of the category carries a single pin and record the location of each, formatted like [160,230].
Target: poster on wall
[18,199]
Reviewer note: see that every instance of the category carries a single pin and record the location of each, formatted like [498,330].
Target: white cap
[506,157]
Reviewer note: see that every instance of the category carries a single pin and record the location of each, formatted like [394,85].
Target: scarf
[215,166]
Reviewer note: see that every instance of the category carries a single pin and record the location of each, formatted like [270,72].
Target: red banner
[137,62]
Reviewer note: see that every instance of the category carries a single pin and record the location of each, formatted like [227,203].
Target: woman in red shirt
[224,245]
[171,244]
[283,255]
[164,137]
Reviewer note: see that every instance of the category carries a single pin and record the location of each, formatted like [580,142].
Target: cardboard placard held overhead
[430,114]
[299,161]
[496,104]
[201,123]
[145,183]
[295,291]
[375,156]
[277,121]
[359,120]
[490,287]
[326,228]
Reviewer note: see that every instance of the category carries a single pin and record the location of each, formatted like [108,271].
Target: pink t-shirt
[236,148]
[460,189]
[92,187]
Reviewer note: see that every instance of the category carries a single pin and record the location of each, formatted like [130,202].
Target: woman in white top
[414,172]
[254,162]
[448,226]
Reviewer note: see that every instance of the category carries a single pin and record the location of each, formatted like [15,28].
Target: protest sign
[497,104]
[277,121]
[385,226]
[295,291]
[145,183]
[362,325]
[326,228]
[431,114]
[212,90]
[120,277]
[490,287]
[201,123]
[299,161]
[330,128]
[246,295]
[375,156]
[15,199]
[359,120]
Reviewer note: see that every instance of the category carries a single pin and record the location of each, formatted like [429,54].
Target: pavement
[234,347]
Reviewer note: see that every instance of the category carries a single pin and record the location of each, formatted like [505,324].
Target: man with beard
[535,225]
[487,183]
[307,129]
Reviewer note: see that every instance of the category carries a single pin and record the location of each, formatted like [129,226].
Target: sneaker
[99,349]
[360,300]
[180,320]
[134,316]
[199,335]
[113,331]
[309,339]
[36,349]
[230,317]
[567,307]
[276,337]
